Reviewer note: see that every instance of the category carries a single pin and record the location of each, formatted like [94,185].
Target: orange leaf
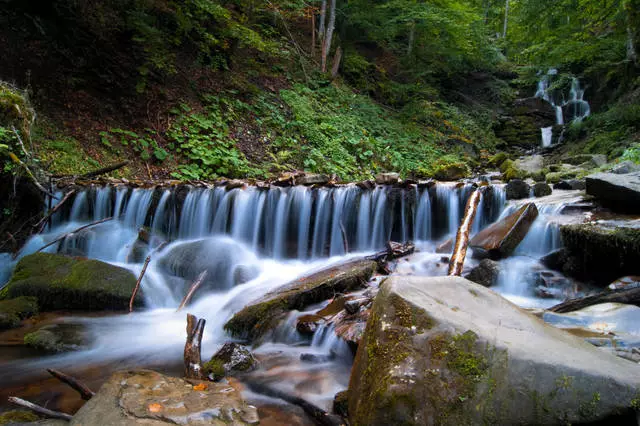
[200,387]
[155,408]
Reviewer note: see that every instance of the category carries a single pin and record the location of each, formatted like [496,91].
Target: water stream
[253,240]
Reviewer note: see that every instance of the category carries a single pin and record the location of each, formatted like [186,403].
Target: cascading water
[575,108]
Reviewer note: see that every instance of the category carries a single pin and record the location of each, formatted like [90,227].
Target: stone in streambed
[254,320]
[61,282]
[443,350]
[146,397]
[619,192]
[501,239]
[517,189]
[541,190]
[387,178]
[485,274]
[57,338]
[312,179]
[571,184]
[230,359]
[13,311]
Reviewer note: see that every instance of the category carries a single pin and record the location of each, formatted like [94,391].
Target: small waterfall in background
[575,109]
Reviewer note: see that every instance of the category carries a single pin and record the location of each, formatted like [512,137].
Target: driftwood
[97,222]
[104,170]
[83,390]
[625,295]
[462,238]
[194,286]
[39,410]
[192,358]
[20,163]
[345,242]
[137,287]
[43,222]
[320,416]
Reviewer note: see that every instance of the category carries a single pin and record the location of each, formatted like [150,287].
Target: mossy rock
[13,311]
[214,369]
[498,159]
[60,282]
[260,317]
[17,417]
[451,171]
[555,177]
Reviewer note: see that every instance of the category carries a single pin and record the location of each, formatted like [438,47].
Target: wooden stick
[629,296]
[97,222]
[137,287]
[345,242]
[320,416]
[40,410]
[462,238]
[43,222]
[83,390]
[192,290]
[104,170]
[192,359]
[19,162]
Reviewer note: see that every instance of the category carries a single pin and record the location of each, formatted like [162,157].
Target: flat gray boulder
[443,350]
[620,192]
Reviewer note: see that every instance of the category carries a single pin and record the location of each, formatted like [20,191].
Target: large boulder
[227,262]
[443,350]
[13,311]
[501,239]
[600,254]
[625,167]
[61,282]
[517,189]
[531,164]
[56,338]
[619,192]
[262,315]
[145,397]
[541,189]
[486,273]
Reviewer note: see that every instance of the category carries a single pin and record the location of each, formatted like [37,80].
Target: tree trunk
[336,62]
[313,35]
[631,48]
[462,238]
[192,359]
[326,46]
[506,19]
[630,296]
[412,36]
[196,284]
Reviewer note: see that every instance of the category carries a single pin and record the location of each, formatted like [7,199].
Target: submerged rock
[61,282]
[56,338]
[13,311]
[599,254]
[150,398]
[571,184]
[619,192]
[261,316]
[444,350]
[486,273]
[517,189]
[501,239]
[541,189]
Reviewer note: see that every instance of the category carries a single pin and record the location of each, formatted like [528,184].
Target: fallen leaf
[200,387]
[155,408]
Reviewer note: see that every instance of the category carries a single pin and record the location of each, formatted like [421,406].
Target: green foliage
[632,154]
[146,146]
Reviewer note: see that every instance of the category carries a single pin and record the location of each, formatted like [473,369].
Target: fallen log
[192,358]
[40,410]
[320,416]
[97,222]
[20,163]
[625,295]
[137,287]
[83,390]
[43,222]
[104,170]
[394,250]
[194,286]
[462,238]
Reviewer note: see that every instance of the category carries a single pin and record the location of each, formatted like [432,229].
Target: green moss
[61,282]
[17,416]
[214,368]
[12,311]
[410,316]
[498,159]
[449,171]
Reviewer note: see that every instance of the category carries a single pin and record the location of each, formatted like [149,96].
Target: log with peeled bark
[81,388]
[625,295]
[43,222]
[462,238]
[137,287]
[194,286]
[97,222]
[192,348]
[39,410]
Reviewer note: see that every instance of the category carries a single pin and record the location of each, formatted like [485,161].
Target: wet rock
[531,164]
[260,317]
[284,180]
[619,192]
[234,184]
[626,167]
[13,311]
[353,306]
[571,184]
[57,338]
[446,247]
[572,208]
[312,179]
[520,126]
[350,328]
[592,160]
[230,359]
[341,404]
[60,282]
[227,262]
[486,273]
[541,190]
[625,282]
[387,178]
[447,351]
[517,189]
[308,324]
[367,185]
[317,358]
[451,171]
[501,239]
[150,398]
[600,254]
[555,260]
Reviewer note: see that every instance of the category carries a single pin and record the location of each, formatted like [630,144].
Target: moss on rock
[17,416]
[13,311]
[60,282]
